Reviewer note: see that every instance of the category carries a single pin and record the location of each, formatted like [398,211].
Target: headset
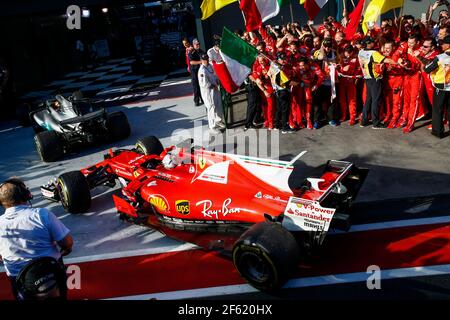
[21,192]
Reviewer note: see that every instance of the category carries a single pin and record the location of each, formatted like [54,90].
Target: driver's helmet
[170,161]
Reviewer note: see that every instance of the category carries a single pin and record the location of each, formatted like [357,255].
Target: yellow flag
[376,8]
[302,1]
[208,7]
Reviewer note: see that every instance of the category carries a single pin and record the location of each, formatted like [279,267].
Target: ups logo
[182,207]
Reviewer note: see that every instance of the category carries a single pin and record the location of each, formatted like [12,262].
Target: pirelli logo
[183,207]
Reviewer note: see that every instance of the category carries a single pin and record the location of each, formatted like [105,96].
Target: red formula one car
[266,213]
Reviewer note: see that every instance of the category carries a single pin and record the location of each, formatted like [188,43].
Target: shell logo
[299,205]
[159,202]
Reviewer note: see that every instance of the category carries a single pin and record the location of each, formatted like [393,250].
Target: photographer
[29,240]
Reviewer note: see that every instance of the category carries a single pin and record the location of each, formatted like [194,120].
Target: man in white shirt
[209,88]
[26,233]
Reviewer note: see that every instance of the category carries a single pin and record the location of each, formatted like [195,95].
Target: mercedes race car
[266,213]
[63,124]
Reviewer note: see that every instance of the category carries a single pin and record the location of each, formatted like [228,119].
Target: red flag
[355,18]
[313,7]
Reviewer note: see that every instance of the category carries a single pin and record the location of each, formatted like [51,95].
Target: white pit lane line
[10,129]
[295,283]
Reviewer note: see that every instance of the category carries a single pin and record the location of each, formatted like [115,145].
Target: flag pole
[353,3]
[292,12]
[242,12]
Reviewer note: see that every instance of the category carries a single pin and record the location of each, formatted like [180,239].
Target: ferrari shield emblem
[201,162]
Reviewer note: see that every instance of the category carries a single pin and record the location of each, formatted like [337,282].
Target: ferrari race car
[266,213]
[63,124]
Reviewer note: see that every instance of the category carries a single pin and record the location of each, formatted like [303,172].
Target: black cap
[204,56]
[368,39]
[327,42]
[349,48]
[446,40]
[281,56]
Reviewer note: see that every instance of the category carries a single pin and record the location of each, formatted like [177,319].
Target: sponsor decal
[191,169]
[183,207]
[304,215]
[136,159]
[152,183]
[223,210]
[260,195]
[159,202]
[122,172]
[217,173]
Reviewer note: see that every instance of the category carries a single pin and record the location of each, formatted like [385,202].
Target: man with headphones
[32,242]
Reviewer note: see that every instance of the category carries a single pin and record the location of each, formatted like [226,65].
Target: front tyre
[149,145]
[118,126]
[266,255]
[74,192]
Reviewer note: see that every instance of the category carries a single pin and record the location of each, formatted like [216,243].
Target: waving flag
[376,8]
[209,7]
[238,58]
[258,11]
[313,7]
[354,18]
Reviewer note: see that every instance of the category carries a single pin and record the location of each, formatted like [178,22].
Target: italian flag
[313,7]
[238,58]
[258,11]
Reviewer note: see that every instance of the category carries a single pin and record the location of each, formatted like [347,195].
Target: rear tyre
[118,126]
[266,255]
[74,192]
[49,146]
[149,145]
[23,114]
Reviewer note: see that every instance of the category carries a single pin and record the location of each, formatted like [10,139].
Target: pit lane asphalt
[402,166]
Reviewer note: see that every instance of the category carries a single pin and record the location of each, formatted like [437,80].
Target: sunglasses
[426,47]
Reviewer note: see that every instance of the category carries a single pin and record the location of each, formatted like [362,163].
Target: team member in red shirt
[427,53]
[348,70]
[393,87]
[311,77]
[260,75]
[413,85]
[188,48]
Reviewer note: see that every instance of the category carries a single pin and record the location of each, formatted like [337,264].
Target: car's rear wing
[324,197]
[84,118]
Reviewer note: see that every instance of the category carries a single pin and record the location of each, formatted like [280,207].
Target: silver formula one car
[63,124]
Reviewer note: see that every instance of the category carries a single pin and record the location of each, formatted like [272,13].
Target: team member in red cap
[311,78]
[262,79]
[413,85]
[348,71]
[393,87]
[427,53]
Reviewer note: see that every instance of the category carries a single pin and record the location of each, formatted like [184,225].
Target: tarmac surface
[409,178]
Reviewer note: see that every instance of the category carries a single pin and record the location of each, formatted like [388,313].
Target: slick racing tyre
[266,256]
[23,114]
[149,145]
[74,192]
[118,126]
[49,146]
